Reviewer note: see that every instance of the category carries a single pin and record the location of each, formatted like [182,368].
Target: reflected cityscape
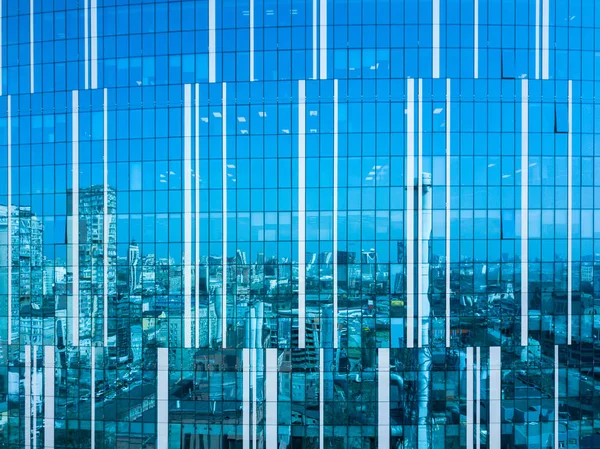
[144,297]
[265,224]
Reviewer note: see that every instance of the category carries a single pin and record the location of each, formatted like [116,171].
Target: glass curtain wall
[282,224]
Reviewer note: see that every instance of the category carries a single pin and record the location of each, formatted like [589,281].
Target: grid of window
[272,224]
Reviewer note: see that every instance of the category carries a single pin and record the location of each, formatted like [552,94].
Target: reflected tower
[424,362]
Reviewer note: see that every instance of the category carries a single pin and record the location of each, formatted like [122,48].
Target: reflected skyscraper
[94,259]
[22,266]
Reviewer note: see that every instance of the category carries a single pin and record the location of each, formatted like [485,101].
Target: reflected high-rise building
[22,267]
[97,243]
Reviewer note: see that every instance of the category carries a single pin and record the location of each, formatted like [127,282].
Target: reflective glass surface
[286,224]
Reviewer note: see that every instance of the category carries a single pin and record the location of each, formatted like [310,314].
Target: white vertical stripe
[537,39]
[556,407]
[570,215]
[495,397]
[476,39]
[34,393]
[224,181]
[251,40]
[255,395]
[94,39]
[253,369]
[246,397]
[271,397]
[162,399]
[93,397]
[420,281]
[448,208]
[314,39]
[212,36]
[469,398]
[478,398]
[75,222]
[187,223]
[335,212]
[436,38]
[545,39]
[86,49]
[31,48]
[323,39]
[197,217]
[321,399]
[383,398]
[49,396]
[301,213]
[524,211]
[105,219]
[27,396]
[410,211]
[9,219]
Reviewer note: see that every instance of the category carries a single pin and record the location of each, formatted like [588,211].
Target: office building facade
[273,224]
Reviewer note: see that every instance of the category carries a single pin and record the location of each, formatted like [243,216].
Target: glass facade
[286,224]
